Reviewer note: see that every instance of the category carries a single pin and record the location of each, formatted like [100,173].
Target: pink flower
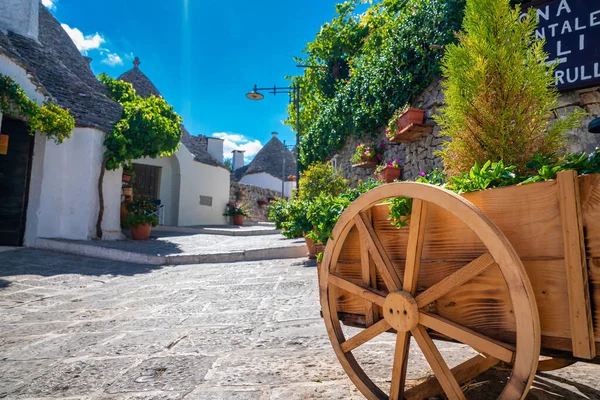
[422,173]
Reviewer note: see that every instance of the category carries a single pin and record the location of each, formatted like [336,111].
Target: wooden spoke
[453,281]
[437,364]
[464,372]
[479,342]
[367,275]
[416,235]
[378,253]
[400,365]
[362,291]
[366,335]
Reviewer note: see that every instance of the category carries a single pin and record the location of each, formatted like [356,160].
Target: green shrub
[499,91]
[321,178]
[133,220]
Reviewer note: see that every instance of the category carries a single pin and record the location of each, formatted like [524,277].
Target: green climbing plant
[52,120]
[370,65]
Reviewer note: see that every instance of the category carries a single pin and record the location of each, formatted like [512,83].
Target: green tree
[499,91]
[149,127]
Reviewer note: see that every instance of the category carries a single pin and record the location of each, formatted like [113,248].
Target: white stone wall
[64,202]
[197,180]
[263,180]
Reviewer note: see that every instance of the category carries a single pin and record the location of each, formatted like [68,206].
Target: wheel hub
[400,310]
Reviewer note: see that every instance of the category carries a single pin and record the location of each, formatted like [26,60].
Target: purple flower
[357,144]
[422,173]
[381,145]
[397,161]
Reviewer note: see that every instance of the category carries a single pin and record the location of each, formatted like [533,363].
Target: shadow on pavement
[49,263]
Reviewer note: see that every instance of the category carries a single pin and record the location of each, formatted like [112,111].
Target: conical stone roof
[269,160]
[141,83]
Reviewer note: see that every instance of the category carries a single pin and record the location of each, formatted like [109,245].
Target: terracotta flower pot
[238,220]
[126,177]
[312,251]
[389,174]
[371,158]
[141,232]
[411,116]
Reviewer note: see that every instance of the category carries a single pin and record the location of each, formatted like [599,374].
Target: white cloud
[83,42]
[113,59]
[50,4]
[233,141]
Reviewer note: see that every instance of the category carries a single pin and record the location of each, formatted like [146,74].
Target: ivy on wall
[373,63]
[52,120]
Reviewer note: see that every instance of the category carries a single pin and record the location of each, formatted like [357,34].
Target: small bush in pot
[238,211]
[367,153]
[139,219]
[389,172]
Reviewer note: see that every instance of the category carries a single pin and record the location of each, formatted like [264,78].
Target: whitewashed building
[49,190]
[271,168]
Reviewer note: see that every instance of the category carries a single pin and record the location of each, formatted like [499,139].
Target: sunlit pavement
[84,328]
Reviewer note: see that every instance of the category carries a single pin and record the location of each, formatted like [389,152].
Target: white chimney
[21,17]
[238,159]
[215,148]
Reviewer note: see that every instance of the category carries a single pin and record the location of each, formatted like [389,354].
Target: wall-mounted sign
[3,144]
[572,32]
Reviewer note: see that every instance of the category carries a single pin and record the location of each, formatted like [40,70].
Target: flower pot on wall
[128,194]
[126,177]
[369,159]
[238,220]
[411,116]
[389,174]
[141,232]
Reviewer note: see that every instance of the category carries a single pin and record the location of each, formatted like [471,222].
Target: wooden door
[147,181]
[15,171]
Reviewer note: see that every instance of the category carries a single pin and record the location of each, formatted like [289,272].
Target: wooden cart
[504,271]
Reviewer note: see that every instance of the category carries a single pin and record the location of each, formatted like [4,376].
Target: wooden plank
[378,252]
[515,210]
[364,336]
[582,330]
[458,278]
[362,291]
[477,341]
[365,261]
[464,372]
[400,365]
[438,365]
[414,250]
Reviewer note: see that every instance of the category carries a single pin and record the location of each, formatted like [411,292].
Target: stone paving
[170,243]
[83,328]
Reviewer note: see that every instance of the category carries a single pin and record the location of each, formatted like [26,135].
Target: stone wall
[419,155]
[250,196]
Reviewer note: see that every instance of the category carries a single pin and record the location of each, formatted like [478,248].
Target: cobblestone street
[84,328]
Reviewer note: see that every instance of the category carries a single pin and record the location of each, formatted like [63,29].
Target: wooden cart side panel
[578,290]
[589,188]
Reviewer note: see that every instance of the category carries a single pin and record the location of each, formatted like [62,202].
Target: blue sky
[203,55]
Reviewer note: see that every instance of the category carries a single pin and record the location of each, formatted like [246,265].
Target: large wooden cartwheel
[403,309]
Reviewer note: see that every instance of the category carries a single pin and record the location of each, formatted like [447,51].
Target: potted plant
[365,153]
[406,125]
[238,212]
[389,172]
[139,218]
[128,174]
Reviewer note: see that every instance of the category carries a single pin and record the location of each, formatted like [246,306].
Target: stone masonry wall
[251,195]
[418,155]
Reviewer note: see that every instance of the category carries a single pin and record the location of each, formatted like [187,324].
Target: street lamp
[295,90]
